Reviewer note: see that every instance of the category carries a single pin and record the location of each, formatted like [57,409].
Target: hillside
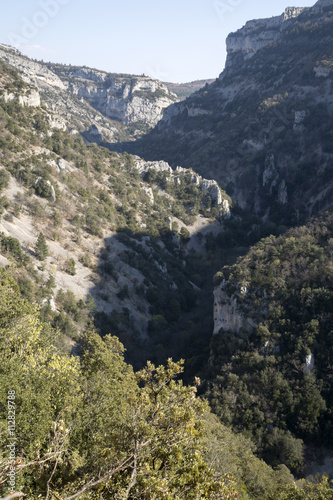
[272,345]
[103,107]
[263,130]
[117,228]
[184,90]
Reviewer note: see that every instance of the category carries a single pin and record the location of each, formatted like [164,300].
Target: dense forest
[274,382]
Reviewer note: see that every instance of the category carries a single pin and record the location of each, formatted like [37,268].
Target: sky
[171,40]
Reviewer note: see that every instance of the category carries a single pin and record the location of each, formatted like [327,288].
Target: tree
[41,250]
[71,267]
[141,435]
[42,383]
[88,426]
[304,490]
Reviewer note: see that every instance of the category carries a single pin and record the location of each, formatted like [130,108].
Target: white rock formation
[129,99]
[29,97]
[227,314]
[226,212]
[149,193]
[258,34]
[309,363]
[143,166]
[64,166]
[56,122]
[32,72]
[211,188]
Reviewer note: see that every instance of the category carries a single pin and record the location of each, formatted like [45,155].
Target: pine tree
[41,250]
[71,267]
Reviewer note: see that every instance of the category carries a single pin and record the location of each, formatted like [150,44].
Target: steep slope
[104,106]
[129,99]
[117,228]
[263,130]
[272,349]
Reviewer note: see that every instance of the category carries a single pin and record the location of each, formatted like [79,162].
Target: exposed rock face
[31,72]
[63,166]
[228,315]
[125,98]
[226,212]
[149,193]
[30,98]
[56,122]
[78,95]
[309,363]
[258,34]
[144,166]
[209,187]
[212,189]
[257,123]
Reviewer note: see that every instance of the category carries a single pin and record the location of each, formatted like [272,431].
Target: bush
[4,179]
[70,268]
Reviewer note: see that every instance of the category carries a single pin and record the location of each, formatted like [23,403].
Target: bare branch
[107,476]
[50,478]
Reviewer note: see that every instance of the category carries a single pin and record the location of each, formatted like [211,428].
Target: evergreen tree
[71,267]
[41,250]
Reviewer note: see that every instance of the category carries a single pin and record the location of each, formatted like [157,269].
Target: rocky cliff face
[263,129]
[121,97]
[208,187]
[229,312]
[88,100]
[257,34]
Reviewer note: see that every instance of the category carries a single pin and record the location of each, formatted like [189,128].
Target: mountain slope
[273,345]
[264,128]
[117,229]
[102,105]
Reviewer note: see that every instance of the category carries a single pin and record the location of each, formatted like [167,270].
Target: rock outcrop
[209,187]
[228,313]
[212,189]
[29,97]
[266,120]
[122,97]
[78,95]
[257,34]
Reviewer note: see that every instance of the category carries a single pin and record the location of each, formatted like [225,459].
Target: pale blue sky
[172,40]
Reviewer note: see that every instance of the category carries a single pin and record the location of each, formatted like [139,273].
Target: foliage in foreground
[90,427]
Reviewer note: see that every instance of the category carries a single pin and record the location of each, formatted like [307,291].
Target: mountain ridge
[255,123]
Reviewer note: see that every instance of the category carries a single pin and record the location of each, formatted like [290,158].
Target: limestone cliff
[100,105]
[258,34]
[122,97]
[208,187]
[263,129]
[230,313]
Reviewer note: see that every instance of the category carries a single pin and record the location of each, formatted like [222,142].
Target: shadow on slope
[157,296]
